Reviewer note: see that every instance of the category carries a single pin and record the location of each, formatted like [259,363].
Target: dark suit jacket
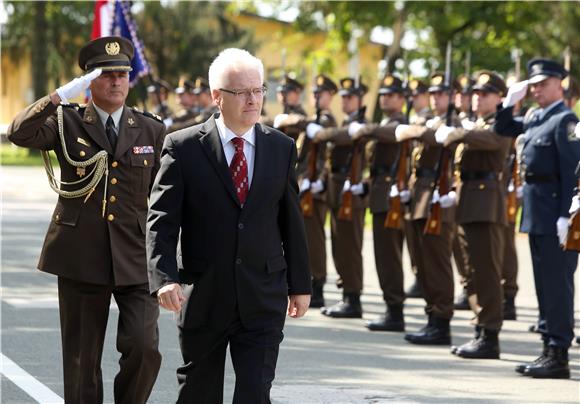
[80,243]
[246,258]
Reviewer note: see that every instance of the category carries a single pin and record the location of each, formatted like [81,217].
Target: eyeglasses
[247,93]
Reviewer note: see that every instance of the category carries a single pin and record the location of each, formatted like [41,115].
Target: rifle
[433,224]
[307,201]
[573,236]
[383,69]
[468,75]
[512,202]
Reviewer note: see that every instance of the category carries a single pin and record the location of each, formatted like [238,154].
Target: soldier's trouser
[388,246]
[510,262]
[434,268]
[484,240]
[84,311]
[316,238]
[347,238]
[460,257]
[554,270]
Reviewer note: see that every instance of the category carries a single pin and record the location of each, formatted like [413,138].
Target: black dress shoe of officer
[484,347]
[435,334]
[553,366]
[317,298]
[521,368]
[415,291]
[349,307]
[476,335]
[392,320]
[462,303]
[509,309]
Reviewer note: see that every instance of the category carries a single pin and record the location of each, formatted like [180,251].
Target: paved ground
[321,360]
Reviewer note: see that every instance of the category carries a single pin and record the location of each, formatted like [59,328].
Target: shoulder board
[147,114]
[72,105]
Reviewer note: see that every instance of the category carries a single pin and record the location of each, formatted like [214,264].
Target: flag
[103,20]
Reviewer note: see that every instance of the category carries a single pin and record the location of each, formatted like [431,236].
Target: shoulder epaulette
[71,105]
[148,114]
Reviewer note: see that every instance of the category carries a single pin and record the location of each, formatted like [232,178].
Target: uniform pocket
[276,264]
[66,214]
[141,165]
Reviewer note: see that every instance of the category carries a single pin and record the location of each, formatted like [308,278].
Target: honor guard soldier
[345,197]
[481,211]
[313,199]
[434,251]
[549,157]
[388,170]
[95,242]
[157,94]
[189,106]
[463,97]
[289,92]
[204,101]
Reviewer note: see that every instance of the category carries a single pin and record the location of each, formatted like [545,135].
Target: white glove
[357,189]
[399,131]
[279,119]
[394,191]
[346,186]
[304,185]
[442,133]
[575,205]
[577,130]
[562,229]
[516,92]
[448,200]
[405,195]
[312,129]
[317,187]
[520,192]
[431,123]
[467,124]
[77,86]
[168,122]
[354,127]
[435,198]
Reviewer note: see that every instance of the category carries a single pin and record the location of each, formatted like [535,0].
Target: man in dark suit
[95,242]
[549,157]
[227,191]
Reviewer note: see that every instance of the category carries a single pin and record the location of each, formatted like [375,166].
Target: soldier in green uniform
[95,242]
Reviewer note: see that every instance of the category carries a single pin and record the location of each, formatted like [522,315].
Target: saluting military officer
[481,211]
[384,157]
[322,94]
[549,157]
[434,251]
[95,243]
[347,232]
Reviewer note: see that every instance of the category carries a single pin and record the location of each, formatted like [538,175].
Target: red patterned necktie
[239,170]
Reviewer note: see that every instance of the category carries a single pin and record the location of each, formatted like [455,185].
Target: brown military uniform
[97,255]
[481,212]
[182,119]
[510,258]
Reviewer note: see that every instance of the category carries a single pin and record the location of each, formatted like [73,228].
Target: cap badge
[320,80]
[566,83]
[388,80]
[112,48]
[464,81]
[347,83]
[483,79]
[437,80]
[537,68]
[198,83]
[414,84]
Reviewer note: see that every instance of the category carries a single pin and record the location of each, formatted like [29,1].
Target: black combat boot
[521,368]
[393,320]
[509,308]
[484,347]
[415,291]
[462,302]
[476,335]
[553,366]
[350,307]
[436,332]
[317,298]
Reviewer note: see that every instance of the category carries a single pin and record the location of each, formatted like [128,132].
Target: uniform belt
[478,175]
[380,170]
[533,178]
[340,169]
[426,172]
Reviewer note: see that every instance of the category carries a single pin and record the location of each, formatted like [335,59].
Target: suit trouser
[388,246]
[434,268]
[484,240]
[254,355]
[347,238]
[316,238]
[554,270]
[461,258]
[84,311]
[510,262]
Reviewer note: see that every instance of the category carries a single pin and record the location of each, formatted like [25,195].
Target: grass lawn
[11,155]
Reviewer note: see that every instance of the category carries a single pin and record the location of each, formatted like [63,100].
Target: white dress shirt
[226,136]
[541,112]
[103,116]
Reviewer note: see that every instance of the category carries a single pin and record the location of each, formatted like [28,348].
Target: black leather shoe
[484,347]
[435,334]
[414,291]
[553,366]
[521,368]
[476,335]
[350,307]
[462,303]
[392,320]
[317,298]
[509,308]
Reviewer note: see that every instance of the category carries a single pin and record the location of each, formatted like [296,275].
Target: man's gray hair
[232,60]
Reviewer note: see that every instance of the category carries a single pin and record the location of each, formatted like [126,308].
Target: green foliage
[12,155]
